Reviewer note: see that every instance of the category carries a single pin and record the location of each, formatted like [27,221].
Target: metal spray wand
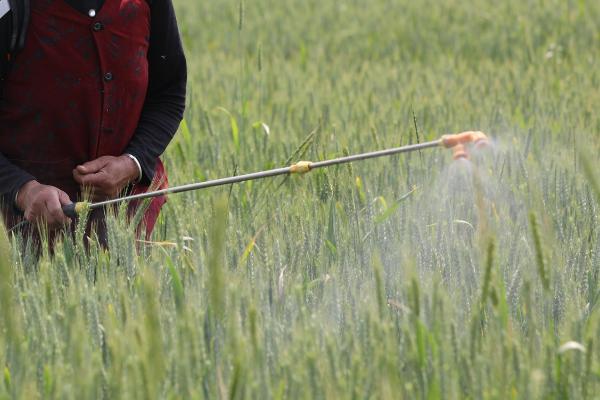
[446,141]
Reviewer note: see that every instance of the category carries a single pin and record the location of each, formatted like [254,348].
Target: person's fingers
[29,215]
[102,186]
[46,207]
[34,211]
[54,208]
[77,176]
[91,167]
[55,215]
[96,180]
[64,201]
[64,198]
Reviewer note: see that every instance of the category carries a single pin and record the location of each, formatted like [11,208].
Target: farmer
[88,105]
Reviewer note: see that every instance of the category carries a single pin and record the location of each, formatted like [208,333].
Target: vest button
[98,26]
[108,77]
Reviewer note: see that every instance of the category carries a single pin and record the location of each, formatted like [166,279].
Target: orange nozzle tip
[451,141]
[481,140]
[459,152]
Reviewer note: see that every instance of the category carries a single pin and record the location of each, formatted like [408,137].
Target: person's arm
[12,178]
[38,202]
[165,101]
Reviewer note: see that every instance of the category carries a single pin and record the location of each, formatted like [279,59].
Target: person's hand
[43,203]
[106,176]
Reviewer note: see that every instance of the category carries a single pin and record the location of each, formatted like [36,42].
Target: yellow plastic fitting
[81,206]
[301,167]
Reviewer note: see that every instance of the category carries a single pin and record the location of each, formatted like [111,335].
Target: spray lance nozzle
[459,152]
[479,139]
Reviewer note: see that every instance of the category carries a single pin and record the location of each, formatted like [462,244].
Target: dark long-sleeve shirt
[164,103]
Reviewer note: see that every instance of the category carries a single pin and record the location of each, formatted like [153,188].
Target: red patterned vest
[77,90]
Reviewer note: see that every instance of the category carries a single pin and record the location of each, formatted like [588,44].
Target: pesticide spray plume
[457,142]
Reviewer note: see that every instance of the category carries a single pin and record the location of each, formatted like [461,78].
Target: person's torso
[77,89]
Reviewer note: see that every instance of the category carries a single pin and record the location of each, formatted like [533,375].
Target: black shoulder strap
[24,23]
[13,23]
[20,13]
[13,31]
[7,40]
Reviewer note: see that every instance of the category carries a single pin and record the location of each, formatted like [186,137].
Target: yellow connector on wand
[74,209]
[301,167]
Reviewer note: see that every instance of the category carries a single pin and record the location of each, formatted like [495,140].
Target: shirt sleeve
[11,180]
[11,176]
[165,101]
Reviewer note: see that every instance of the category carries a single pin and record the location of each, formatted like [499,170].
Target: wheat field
[408,277]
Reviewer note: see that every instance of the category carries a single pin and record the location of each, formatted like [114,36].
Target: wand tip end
[480,139]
